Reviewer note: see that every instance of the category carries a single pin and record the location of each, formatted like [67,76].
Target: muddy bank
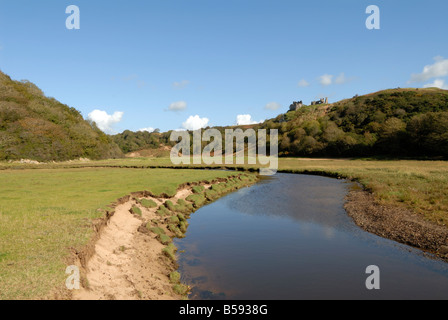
[396,223]
[131,255]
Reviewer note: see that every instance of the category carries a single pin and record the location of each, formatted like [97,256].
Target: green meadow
[45,212]
[419,185]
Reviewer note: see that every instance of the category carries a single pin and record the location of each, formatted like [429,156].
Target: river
[288,237]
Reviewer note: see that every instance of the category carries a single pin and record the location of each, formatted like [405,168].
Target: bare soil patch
[127,259]
[127,263]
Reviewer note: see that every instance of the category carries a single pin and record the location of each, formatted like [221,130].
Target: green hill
[130,141]
[395,122]
[33,126]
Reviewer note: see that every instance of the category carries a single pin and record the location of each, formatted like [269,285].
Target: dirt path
[128,263]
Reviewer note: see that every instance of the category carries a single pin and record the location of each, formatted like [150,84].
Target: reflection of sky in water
[290,238]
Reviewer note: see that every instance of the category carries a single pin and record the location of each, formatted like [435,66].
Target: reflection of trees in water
[201,281]
[202,273]
[198,294]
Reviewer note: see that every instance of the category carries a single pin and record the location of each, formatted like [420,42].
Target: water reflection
[290,238]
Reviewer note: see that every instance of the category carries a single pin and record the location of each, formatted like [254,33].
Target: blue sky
[154,64]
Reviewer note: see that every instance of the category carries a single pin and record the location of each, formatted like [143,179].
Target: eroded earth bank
[132,256]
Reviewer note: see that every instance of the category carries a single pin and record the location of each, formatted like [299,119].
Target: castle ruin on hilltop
[321,101]
[299,104]
[296,106]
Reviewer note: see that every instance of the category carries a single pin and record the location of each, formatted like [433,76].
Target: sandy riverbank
[126,258]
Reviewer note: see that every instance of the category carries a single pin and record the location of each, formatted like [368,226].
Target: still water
[289,237]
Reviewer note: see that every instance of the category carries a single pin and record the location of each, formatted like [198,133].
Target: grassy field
[421,186]
[44,212]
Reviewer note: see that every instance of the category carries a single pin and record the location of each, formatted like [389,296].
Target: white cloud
[182,84]
[149,129]
[303,83]
[272,106]
[438,69]
[178,106]
[195,123]
[341,79]
[245,119]
[105,121]
[326,79]
[438,83]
